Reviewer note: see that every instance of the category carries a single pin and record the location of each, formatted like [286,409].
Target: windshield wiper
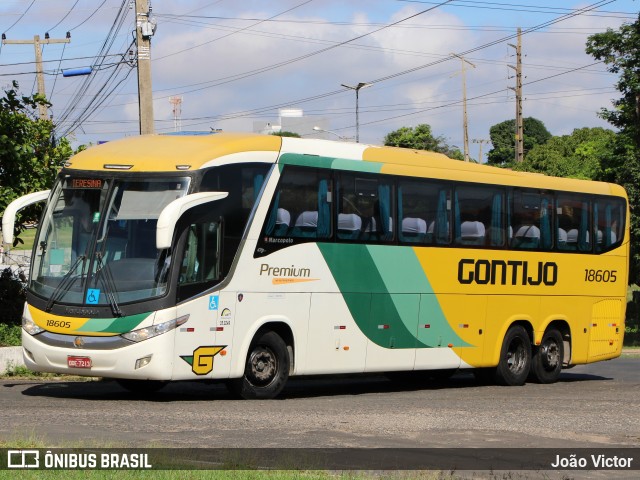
[104,273]
[65,282]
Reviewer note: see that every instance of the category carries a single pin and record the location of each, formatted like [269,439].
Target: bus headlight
[30,326]
[154,330]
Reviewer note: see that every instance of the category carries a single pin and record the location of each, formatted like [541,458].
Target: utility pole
[42,109]
[480,141]
[465,120]
[519,146]
[357,89]
[145,28]
[177,112]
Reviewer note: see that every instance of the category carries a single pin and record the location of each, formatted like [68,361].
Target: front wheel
[266,369]
[546,363]
[515,357]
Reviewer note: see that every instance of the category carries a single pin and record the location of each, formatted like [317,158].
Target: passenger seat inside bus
[527,236]
[414,230]
[472,233]
[349,226]
[306,224]
[283,220]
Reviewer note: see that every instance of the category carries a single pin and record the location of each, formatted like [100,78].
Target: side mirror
[171,214]
[9,216]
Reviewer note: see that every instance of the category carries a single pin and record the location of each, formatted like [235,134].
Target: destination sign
[86,183]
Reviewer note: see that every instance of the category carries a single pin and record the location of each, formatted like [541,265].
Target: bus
[251,258]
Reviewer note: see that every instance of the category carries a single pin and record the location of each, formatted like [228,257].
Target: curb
[10,357]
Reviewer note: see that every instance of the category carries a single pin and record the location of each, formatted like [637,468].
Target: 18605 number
[600,276]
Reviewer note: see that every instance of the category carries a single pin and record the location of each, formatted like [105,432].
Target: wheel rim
[263,366]
[550,354]
[516,356]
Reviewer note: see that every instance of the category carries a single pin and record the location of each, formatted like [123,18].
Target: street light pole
[340,137]
[357,90]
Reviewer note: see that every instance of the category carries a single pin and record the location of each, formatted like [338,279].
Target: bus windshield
[96,244]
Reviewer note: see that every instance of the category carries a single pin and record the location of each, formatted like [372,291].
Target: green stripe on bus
[329,162]
[389,295]
[113,325]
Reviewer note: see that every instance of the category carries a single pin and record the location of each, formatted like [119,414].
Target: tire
[141,387]
[546,363]
[266,370]
[515,358]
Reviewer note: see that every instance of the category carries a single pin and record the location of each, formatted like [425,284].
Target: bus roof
[164,153]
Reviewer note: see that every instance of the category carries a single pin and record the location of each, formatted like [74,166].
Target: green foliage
[10,335]
[421,138]
[503,137]
[12,297]
[583,154]
[285,134]
[620,50]
[29,158]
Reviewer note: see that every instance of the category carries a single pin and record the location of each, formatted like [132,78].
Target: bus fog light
[143,362]
[30,326]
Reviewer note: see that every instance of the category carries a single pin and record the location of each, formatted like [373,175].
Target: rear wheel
[515,357]
[546,363]
[266,369]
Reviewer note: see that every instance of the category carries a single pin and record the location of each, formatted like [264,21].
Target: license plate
[78,362]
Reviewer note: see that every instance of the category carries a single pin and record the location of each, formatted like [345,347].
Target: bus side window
[525,220]
[478,216]
[417,201]
[573,223]
[365,208]
[301,206]
[608,215]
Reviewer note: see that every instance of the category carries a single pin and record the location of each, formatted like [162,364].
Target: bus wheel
[141,386]
[515,357]
[266,370]
[546,363]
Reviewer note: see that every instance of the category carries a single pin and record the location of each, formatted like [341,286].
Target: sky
[234,63]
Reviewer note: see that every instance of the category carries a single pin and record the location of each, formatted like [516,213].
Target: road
[591,406]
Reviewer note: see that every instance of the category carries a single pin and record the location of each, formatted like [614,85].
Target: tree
[583,154]
[421,138]
[285,134]
[29,158]
[620,50]
[503,140]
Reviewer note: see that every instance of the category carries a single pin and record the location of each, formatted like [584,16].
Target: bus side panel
[255,310]
[466,333]
[607,329]
[502,312]
[391,330]
[202,339]
[335,344]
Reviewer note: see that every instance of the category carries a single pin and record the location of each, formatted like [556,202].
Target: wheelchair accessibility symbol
[93,295]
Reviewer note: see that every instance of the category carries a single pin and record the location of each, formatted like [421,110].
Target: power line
[92,14]
[63,18]
[21,17]
[246,28]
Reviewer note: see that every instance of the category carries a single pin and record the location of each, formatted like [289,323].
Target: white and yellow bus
[249,259]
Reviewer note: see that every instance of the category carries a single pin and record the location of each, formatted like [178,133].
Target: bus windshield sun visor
[172,213]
